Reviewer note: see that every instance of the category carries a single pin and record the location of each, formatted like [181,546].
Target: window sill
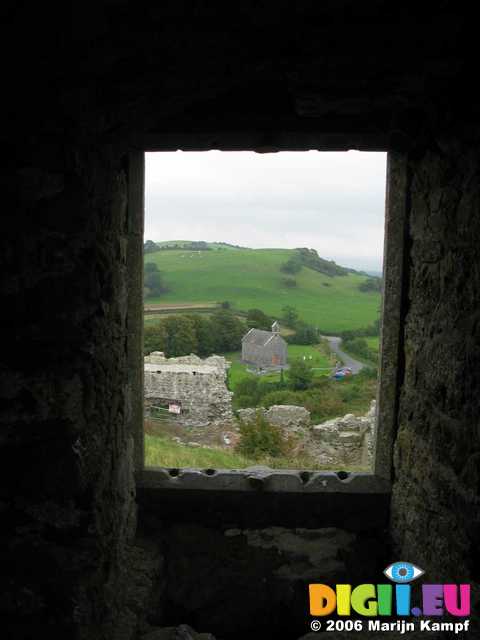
[250,500]
[262,479]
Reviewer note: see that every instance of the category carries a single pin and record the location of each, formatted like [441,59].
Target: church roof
[259,337]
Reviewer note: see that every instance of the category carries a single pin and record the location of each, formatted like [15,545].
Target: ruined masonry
[344,440]
[285,416]
[349,439]
[193,391]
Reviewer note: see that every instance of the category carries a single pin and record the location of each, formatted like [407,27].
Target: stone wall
[199,386]
[66,455]
[348,440]
[289,417]
[437,449]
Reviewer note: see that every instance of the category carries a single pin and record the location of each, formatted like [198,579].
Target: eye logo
[403,572]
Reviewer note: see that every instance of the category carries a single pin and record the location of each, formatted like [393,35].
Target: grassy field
[163,452]
[152,318]
[319,359]
[251,278]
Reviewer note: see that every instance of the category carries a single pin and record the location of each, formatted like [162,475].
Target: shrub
[150,247]
[372,330]
[154,284]
[325,406]
[256,319]
[350,393]
[204,334]
[290,283]
[181,336]
[367,373]
[310,258]
[360,348]
[227,329]
[247,393]
[281,397]
[304,334]
[292,266]
[154,338]
[371,284]
[259,439]
[300,375]
[289,316]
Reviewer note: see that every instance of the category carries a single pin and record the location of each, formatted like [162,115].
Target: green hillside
[251,278]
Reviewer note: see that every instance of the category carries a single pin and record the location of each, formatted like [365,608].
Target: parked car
[341,373]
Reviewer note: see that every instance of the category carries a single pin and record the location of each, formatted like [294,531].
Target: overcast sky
[332,202]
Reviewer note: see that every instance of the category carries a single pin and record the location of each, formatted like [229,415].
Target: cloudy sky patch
[332,202]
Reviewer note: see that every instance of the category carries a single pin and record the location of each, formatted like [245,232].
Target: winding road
[348,361]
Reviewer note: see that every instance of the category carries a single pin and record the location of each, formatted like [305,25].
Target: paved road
[348,361]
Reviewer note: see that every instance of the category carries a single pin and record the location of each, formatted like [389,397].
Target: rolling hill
[250,278]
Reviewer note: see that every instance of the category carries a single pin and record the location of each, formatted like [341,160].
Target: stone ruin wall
[198,385]
[346,440]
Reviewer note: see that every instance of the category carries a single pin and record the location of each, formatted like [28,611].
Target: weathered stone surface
[142,571]
[436,504]
[182,632]
[307,551]
[287,417]
[66,456]
[260,574]
[197,386]
[346,440]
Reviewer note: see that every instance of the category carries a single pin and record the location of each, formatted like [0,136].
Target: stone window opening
[306,481]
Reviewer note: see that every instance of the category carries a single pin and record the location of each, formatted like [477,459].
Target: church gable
[264,349]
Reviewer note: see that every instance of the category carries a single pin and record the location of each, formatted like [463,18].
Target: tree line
[303,333]
[304,257]
[153,281]
[182,334]
[372,283]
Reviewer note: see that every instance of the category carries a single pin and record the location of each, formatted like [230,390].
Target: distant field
[251,278]
[155,312]
[179,306]
[318,361]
